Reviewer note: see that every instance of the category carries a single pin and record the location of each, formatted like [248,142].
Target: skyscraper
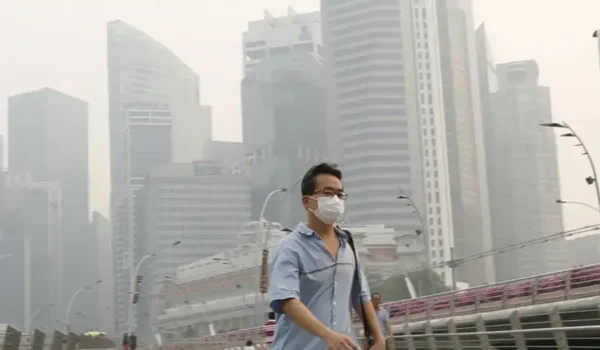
[1,152]
[105,305]
[464,139]
[382,60]
[155,117]
[32,251]
[283,109]
[523,173]
[49,139]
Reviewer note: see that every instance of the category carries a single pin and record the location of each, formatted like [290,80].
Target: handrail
[550,287]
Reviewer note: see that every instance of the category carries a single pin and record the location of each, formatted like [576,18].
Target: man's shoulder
[290,241]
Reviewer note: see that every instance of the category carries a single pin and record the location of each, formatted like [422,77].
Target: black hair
[271,315]
[309,180]
[249,343]
[376,293]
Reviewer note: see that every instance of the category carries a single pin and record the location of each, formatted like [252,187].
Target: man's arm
[302,316]
[285,292]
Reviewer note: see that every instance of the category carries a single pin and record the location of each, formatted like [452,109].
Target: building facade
[32,251]
[105,305]
[283,109]
[49,140]
[384,73]
[584,250]
[523,173]
[229,153]
[203,205]
[149,87]
[2,148]
[280,36]
[465,147]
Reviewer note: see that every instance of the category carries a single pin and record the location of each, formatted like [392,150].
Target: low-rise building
[220,293]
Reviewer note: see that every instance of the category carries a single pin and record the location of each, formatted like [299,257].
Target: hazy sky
[62,44]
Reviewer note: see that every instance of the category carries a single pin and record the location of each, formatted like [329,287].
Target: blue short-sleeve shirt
[302,268]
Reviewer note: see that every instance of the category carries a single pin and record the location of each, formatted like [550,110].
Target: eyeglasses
[329,193]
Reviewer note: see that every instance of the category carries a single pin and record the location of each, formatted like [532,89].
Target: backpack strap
[358,283]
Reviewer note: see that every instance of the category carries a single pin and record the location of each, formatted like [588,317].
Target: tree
[425,282]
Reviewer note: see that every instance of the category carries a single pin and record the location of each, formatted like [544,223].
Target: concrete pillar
[560,337]
[12,339]
[515,324]
[431,345]
[72,339]
[57,340]
[484,340]
[38,340]
[454,339]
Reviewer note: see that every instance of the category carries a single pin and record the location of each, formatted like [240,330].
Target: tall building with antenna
[283,108]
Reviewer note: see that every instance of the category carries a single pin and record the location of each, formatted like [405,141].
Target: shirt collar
[305,231]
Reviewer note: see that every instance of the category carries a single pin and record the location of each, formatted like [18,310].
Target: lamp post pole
[70,304]
[262,256]
[132,284]
[572,133]
[560,201]
[34,314]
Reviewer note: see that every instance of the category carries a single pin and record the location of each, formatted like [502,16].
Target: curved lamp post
[263,255]
[560,201]
[590,179]
[70,305]
[34,315]
[136,271]
[424,228]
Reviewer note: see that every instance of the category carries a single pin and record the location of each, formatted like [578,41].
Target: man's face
[376,300]
[325,186]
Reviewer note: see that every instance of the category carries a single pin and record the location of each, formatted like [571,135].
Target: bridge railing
[570,284]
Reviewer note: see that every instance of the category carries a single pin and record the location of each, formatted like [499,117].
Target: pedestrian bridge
[559,308]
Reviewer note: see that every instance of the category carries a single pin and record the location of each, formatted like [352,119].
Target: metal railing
[577,283]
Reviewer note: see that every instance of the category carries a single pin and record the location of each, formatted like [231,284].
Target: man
[313,279]
[384,322]
[270,329]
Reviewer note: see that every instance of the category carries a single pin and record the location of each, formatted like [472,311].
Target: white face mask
[329,209]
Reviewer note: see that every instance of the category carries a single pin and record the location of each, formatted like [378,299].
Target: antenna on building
[268,16]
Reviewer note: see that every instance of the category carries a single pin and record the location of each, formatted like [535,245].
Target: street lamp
[412,204]
[70,305]
[33,316]
[560,201]
[136,271]
[264,259]
[452,264]
[590,179]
